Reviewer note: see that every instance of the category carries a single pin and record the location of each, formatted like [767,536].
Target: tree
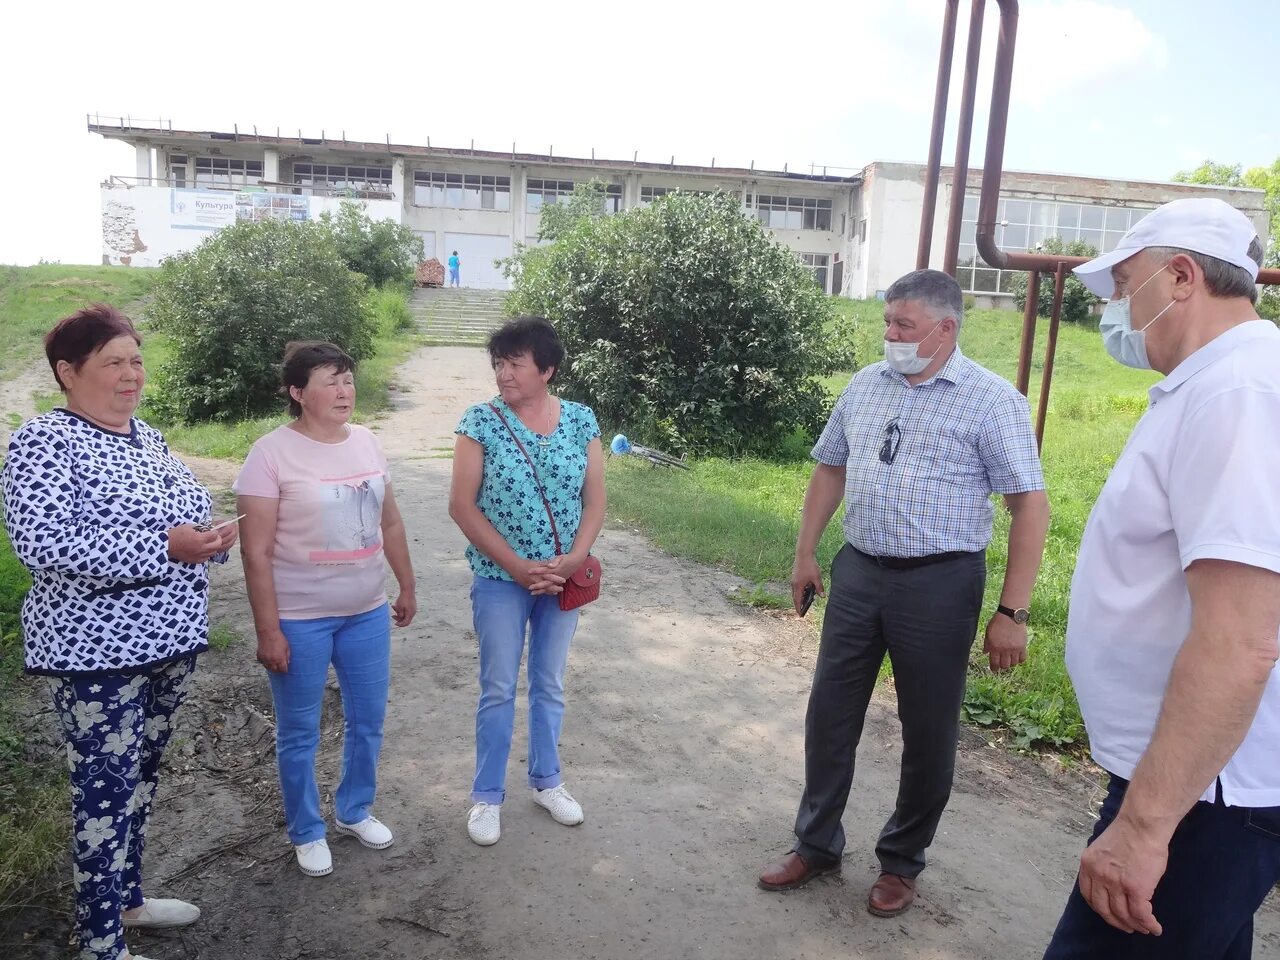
[687,325]
[1077,301]
[1266,179]
[382,250]
[1217,174]
[230,306]
[586,202]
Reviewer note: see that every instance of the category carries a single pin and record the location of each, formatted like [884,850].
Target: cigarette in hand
[219,526]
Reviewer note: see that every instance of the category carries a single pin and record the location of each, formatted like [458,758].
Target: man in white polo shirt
[1175,604]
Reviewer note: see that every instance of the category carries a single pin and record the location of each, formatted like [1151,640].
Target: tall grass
[744,514]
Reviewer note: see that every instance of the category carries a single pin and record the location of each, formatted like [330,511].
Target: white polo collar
[1210,353]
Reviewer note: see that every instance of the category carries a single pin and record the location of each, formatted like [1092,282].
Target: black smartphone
[806,598]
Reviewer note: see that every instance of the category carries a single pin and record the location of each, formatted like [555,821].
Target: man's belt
[912,563]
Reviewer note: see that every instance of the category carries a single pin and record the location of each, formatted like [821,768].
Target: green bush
[1077,301]
[686,325]
[384,251]
[232,304]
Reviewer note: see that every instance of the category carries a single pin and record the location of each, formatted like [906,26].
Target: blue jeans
[1223,861]
[116,726]
[359,648]
[502,612]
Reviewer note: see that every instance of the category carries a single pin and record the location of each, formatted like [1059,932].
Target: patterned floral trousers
[116,727]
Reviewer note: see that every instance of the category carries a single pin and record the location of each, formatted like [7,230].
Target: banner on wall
[202,211]
[271,206]
[143,225]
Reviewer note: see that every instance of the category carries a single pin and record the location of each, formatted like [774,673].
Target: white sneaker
[562,807]
[370,831]
[159,914]
[314,858]
[484,823]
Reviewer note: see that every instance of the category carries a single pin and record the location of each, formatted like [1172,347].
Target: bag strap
[538,480]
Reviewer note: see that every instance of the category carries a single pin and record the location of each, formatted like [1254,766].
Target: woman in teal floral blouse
[495,501]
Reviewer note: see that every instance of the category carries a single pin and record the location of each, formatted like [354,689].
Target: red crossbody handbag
[583,585]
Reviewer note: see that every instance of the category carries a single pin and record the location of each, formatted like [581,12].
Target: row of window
[1023,225]
[790,213]
[224,172]
[343,177]
[469,191]
[542,193]
[650,194]
[433,188]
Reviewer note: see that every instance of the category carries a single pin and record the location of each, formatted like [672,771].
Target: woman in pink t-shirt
[319,517]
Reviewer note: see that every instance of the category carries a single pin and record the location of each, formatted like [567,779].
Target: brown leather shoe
[793,871]
[891,895]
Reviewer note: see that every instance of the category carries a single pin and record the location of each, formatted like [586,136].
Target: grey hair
[1221,279]
[936,290]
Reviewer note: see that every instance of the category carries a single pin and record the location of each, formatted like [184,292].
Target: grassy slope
[31,298]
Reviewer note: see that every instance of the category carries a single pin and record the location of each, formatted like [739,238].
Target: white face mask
[1125,344]
[905,357]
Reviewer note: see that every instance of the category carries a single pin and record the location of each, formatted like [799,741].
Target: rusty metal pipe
[1028,332]
[964,135]
[934,170]
[1050,352]
[993,164]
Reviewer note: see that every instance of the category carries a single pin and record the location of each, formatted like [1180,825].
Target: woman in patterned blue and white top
[495,501]
[115,531]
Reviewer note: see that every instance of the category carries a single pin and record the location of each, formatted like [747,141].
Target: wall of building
[141,225]
[893,197]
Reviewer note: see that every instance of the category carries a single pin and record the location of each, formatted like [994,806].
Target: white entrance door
[478,251]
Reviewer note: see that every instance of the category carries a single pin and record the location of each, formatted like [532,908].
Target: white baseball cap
[1202,224]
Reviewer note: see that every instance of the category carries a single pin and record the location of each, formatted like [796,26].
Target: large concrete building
[856,233]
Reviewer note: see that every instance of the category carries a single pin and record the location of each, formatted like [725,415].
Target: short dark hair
[935,289]
[79,336]
[1221,279]
[532,335]
[303,356]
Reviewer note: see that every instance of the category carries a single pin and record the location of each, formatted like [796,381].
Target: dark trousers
[926,620]
[116,727]
[1223,861]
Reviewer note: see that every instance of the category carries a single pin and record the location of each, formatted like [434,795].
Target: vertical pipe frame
[934,169]
[964,134]
[1050,352]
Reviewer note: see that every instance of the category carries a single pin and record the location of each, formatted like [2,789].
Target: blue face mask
[1125,344]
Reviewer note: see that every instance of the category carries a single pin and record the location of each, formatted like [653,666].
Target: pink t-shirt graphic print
[352,517]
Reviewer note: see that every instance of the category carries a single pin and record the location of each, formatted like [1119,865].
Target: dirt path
[683,740]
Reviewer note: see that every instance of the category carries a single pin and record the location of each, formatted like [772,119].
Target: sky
[1131,89]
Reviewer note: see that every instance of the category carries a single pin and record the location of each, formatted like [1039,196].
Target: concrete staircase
[456,314]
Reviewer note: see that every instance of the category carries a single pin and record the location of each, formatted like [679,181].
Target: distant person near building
[455,268]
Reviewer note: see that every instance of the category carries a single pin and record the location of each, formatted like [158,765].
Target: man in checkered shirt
[915,447]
